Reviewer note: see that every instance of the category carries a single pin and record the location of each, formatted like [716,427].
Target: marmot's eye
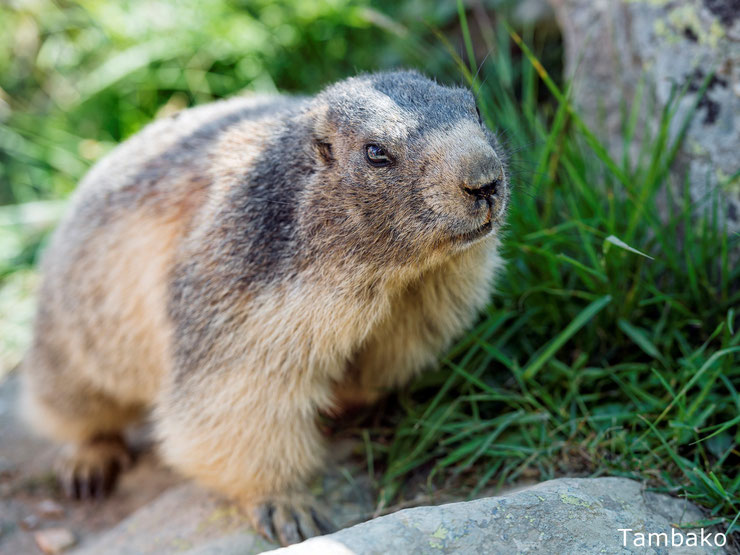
[480,119]
[377,156]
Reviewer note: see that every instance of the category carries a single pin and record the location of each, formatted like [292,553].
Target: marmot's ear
[322,132]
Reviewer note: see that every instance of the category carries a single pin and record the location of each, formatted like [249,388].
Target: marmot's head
[406,165]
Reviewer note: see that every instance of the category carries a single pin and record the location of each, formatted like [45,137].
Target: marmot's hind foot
[90,470]
[289,519]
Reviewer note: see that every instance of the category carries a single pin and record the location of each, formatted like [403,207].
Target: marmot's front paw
[89,470]
[288,519]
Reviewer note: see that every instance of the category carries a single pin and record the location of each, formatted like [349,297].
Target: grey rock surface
[568,515]
[611,45]
[191,520]
[181,519]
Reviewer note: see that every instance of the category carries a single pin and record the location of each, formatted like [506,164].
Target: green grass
[612,345]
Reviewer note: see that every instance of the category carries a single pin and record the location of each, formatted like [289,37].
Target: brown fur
[241,268]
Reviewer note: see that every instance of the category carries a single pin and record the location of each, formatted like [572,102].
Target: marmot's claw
[286,525]
[287,521]
[326,526]
[90,470]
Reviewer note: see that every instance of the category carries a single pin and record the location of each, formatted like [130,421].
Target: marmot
[240,267]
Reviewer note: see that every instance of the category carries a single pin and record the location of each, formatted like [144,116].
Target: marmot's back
[107,269]
[171,157]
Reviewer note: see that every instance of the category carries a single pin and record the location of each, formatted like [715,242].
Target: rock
[569,515]
[190,519]
[180,519]
[610,45]
[30,522]
[50,509]
[324,545]
[6,469]
[54,540]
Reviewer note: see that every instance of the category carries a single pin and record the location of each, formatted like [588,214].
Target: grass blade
[530,371]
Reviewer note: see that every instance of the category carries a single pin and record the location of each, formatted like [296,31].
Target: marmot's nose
[482,173]
[485,190]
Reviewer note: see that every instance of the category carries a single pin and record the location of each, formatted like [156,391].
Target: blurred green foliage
[78,77]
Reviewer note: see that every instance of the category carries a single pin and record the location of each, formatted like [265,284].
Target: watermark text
[676,538]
